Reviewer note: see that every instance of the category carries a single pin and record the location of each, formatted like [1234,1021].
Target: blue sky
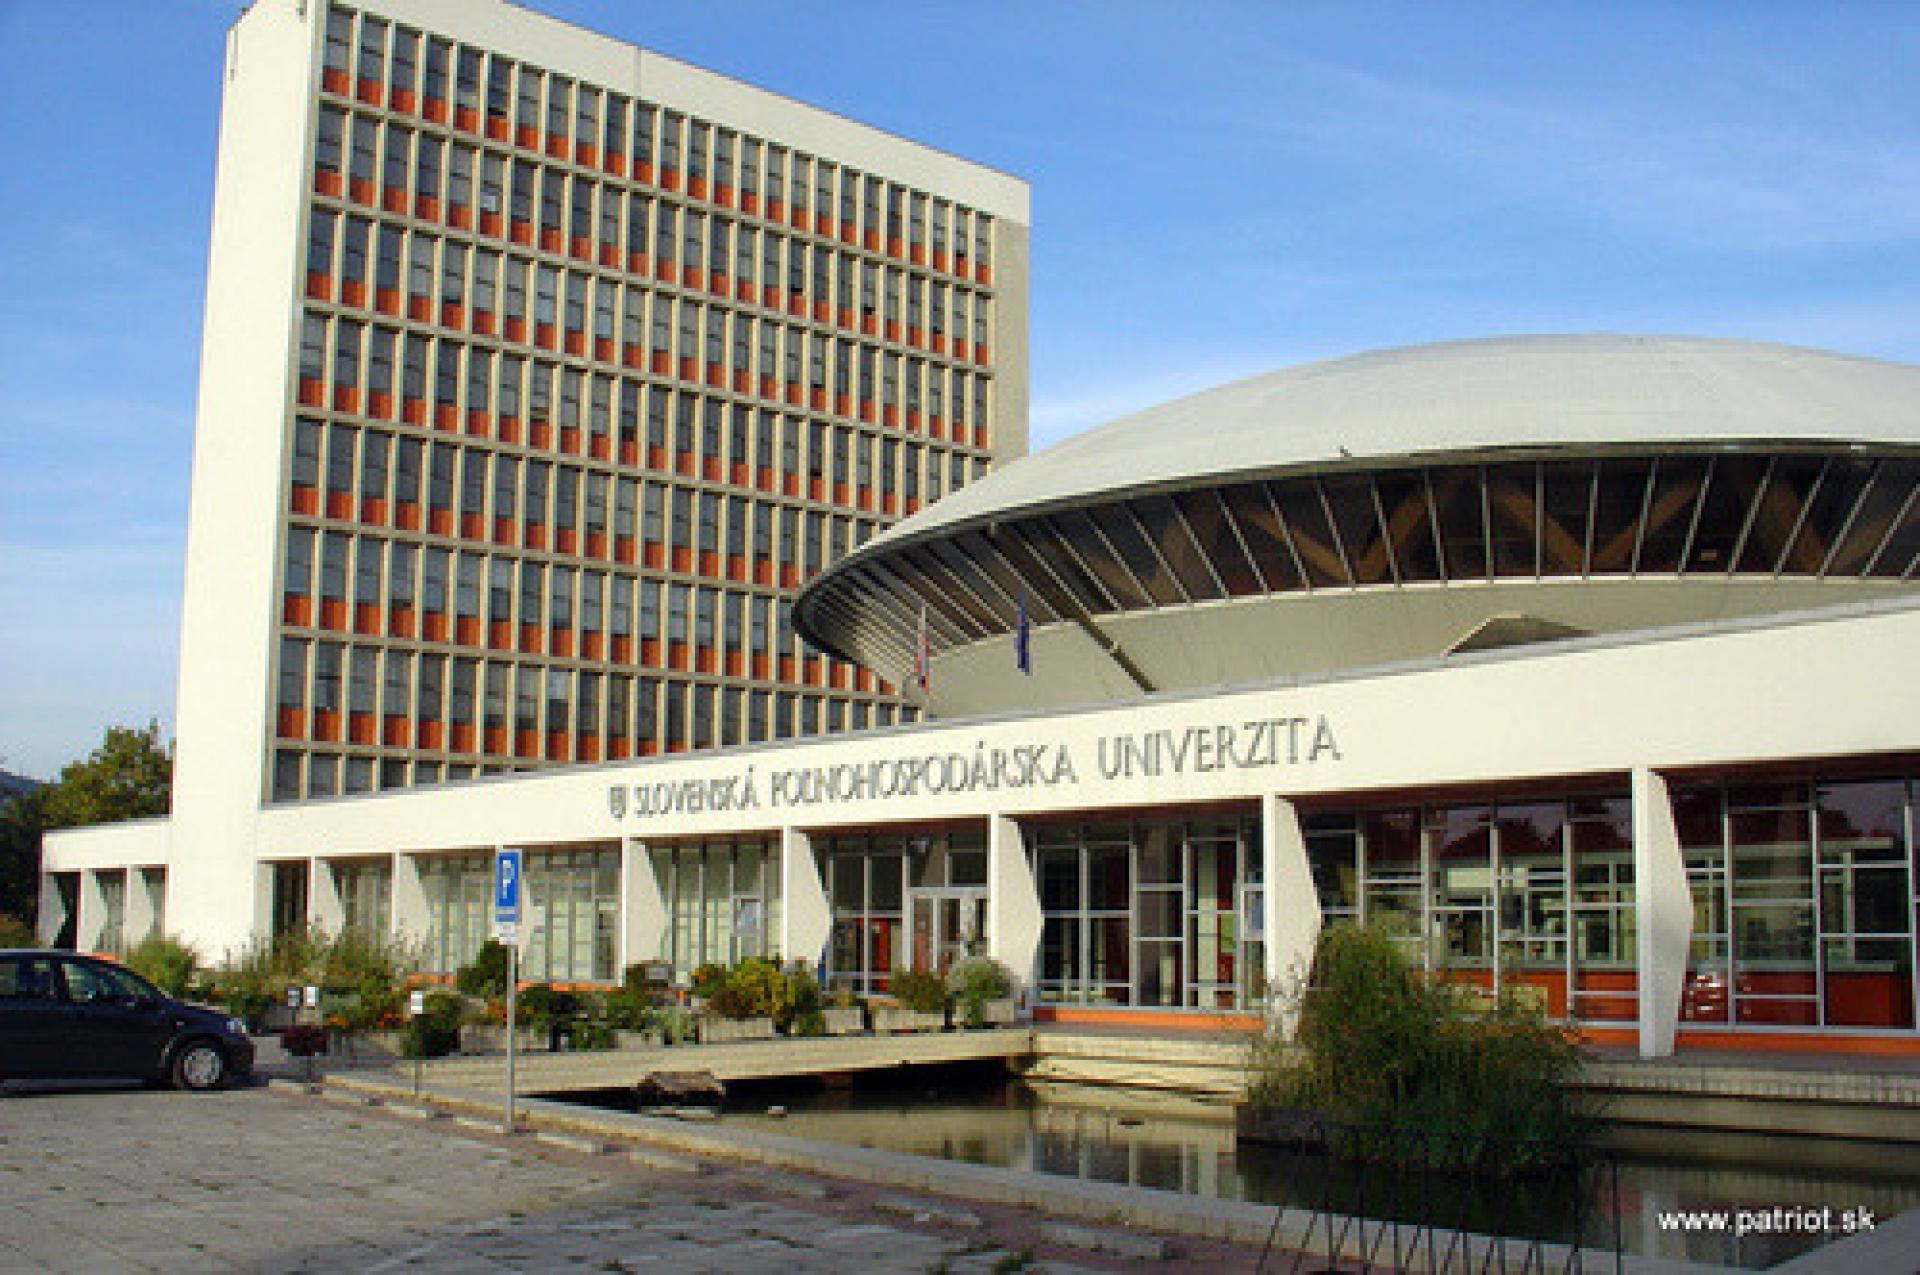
[1218,189]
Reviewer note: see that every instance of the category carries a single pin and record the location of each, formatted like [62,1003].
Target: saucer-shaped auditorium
[1584,664]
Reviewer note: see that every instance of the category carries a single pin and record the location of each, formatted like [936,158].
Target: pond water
[1773,1187]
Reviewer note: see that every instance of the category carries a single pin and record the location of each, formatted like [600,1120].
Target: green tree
[129,776]
[21,822]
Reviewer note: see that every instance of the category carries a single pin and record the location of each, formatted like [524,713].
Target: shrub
[537,1004]
[371,968]
[975,980]
[920,991]
[1382,1047]
[630,1012]
[708,979]
[677,1026]
[590,1035]
[487,976]
[167,963]
[430,1036]
[801,1014]
[15,933]
[361,972]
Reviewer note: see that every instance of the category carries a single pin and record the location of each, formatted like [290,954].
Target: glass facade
[722,899]
[1149,912]
[570,918]
[365,890]
[889,893]
[1804,897]
[1534,893]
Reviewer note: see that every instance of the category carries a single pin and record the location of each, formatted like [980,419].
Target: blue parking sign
[506,886]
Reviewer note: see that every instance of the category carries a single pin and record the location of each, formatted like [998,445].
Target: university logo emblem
[617,800]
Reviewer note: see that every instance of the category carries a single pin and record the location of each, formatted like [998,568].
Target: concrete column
[1292,907]
[138,922]
[93,913]
[806,919]
[1013,901]
[53,912]
[1663,904]
[412,920]
[325,907]
[643,912]
[154,882]
[262,907]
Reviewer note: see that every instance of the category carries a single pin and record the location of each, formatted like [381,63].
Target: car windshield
[103,983]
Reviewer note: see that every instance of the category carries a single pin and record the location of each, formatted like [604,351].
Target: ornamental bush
[487,976]
[1413,1068]
[919,991]
[975,980]
[167,963]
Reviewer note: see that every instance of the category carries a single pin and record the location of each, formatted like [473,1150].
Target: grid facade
[587,385]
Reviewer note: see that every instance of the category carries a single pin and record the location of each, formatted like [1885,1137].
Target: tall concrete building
[538,370]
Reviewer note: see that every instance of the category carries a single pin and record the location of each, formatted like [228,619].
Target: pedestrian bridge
[1198,1065]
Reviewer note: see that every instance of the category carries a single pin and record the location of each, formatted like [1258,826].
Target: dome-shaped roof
[1464,398]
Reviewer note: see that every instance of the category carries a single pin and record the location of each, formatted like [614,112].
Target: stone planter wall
[844,1020]
[364,1046]
[491,1038]
[714,1031]
[897,1018]
[649,1039]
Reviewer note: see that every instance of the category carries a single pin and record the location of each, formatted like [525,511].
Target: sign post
[507,865]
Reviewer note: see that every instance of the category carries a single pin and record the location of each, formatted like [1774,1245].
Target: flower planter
[649,1039]
[364,1046]
[843,1020]
[897,1018]
[713,1031]
[491,1038]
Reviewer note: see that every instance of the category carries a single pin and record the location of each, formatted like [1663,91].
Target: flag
[1023,640]
[922,652]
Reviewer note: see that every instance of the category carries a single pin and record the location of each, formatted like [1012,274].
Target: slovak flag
[1023,639]
[922,651]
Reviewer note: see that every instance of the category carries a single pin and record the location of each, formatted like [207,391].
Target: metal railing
[1384,1198]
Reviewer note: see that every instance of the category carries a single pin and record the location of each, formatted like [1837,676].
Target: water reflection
[1175,1143]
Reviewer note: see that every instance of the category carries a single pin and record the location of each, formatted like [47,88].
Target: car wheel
[199,1066]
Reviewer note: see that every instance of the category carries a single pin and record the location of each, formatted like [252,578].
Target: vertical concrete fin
[806,922]
[1663,905]
[324,905]
[92,906]
[1292,908]
[53,909]
[643,922]
[412,919]
[141,915]
[1013,900]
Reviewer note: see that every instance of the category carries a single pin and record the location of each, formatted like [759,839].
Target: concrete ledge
[1890,1246]
[572,1141]
[1161,1212]
[1135,1248]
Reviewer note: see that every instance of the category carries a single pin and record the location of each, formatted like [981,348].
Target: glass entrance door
[947,924]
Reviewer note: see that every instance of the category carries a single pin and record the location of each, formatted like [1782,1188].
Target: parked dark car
[67,1017]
